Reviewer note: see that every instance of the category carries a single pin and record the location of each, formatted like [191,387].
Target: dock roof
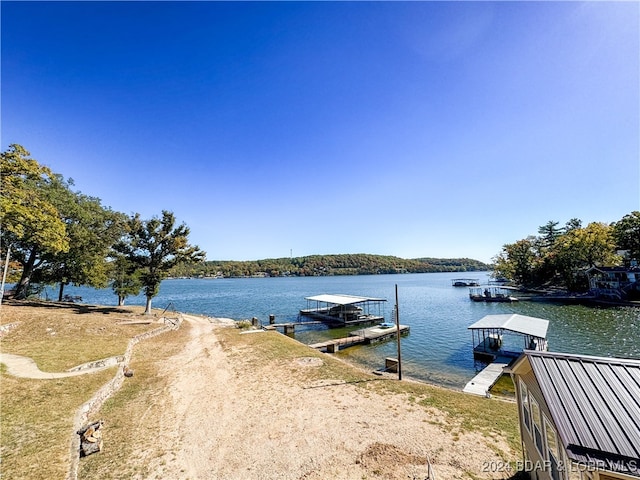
[536,327]
[343,299]
[594,402]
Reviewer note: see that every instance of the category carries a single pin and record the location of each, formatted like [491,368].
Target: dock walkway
[362,336]
[483,381]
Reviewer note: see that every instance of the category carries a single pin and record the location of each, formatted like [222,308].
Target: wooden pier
[290,327]
[363,336]
[483,381]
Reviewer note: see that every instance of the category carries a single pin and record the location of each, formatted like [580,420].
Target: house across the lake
[579,416]
[614,283]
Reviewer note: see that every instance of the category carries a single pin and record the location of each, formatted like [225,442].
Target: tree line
[52,234]
[559,256]
[56,235]
[320,265]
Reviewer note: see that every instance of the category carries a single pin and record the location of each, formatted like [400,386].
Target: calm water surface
[439,347]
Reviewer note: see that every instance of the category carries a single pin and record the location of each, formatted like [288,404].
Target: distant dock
[363,336]
[465,282]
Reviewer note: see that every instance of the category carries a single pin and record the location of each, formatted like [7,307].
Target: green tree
[155,246]
[31,224]
[582,248]
[572,225]
[91,229]
[519,262]
[125,278]
[549,233]
[626,233]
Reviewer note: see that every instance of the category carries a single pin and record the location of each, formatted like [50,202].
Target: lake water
[439,346]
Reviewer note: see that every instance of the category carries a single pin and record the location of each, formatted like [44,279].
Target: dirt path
[25,367]
[235,420]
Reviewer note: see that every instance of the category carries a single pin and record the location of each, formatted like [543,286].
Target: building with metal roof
[579,416]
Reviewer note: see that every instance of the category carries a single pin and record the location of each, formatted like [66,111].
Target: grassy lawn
[37,415]
[132,414]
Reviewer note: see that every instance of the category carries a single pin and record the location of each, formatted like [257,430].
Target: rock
[91,438]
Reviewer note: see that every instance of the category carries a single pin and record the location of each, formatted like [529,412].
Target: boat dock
[492,294]
[465,282]
[483,381]
[490,332]
[344,309]
[489,335]
[363,336]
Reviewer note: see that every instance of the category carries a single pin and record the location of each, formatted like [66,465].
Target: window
[524,401]
[537,426]
[552,448]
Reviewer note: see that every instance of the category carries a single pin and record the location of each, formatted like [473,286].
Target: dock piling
[391,365]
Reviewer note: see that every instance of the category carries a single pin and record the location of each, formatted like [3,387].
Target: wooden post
[289,328]
[391,365]
[398,336]
[333,348]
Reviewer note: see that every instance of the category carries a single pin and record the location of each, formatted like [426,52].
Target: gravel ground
[228,419]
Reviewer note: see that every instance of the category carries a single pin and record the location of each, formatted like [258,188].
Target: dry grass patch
[132,415]
[493,418]
[459,412]
[283,353]
[37,415]
[59,336]
[37,422]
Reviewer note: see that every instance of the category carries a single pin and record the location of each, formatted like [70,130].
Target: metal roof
[536,327]
[343,299]
[595,404]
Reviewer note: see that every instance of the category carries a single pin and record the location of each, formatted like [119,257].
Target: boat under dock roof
[344,309]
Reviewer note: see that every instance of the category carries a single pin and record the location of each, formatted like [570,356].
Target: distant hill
[326,265]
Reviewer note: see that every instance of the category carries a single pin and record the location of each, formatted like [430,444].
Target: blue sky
[441,129]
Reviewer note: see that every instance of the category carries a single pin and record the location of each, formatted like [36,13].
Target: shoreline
[366,370]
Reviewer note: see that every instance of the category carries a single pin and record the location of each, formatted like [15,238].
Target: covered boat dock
[344,309]
[489,345]
[489,335]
